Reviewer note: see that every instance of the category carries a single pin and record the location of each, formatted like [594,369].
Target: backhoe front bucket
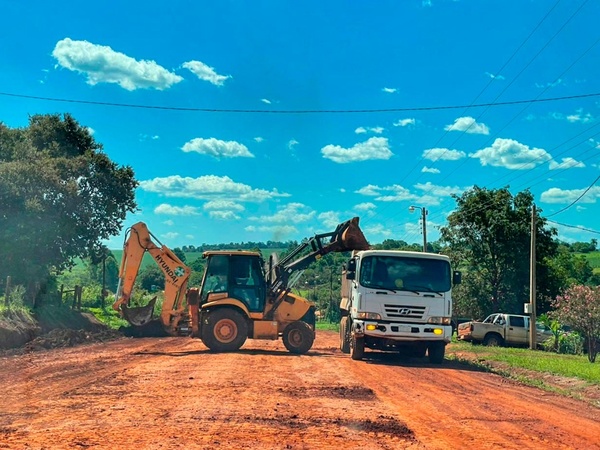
[139,316]
[347,237]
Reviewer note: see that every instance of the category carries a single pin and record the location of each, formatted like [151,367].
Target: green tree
[180,253]
[151,278]
[579,307]
[61,196]
[489,238]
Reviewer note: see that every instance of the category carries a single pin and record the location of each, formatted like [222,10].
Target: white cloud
[511,154]
[440,191]
[389,90]
[258,139]
[292,143]
[547,85]
[580,116]
[405,122]
[223,204]
[376,130]
[290,213]
[208,187]
[397,193]
[379,230]
[370,189]
[205,72]
[557,195]
[223,215]
[217,148]
[165,208]
[468,125]
[426,169]
[366,206]
[494,77]
[101,64]
[373,148]
[169,222]
[567,163]
[330,219]
[444,154]
[169,235]
[265,100]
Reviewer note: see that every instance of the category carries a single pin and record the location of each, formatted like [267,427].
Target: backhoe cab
[240,296]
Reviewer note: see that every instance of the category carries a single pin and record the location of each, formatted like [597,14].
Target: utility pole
[424,223]
[532,291]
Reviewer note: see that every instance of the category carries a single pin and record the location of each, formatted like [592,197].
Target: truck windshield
[400,273]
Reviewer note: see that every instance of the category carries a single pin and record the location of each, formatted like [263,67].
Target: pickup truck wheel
[344,335]
[493,340]
[298,337]
[436,352]
[357,348]
[224,330]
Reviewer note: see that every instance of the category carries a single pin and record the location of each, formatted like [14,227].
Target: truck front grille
[404,311]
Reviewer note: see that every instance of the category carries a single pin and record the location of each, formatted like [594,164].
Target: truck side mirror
[456,277]
[350,275]
[351,266]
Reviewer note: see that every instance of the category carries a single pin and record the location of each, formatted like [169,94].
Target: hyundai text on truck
[397,301]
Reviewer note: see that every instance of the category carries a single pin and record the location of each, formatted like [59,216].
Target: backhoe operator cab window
[405,274]
[216,276]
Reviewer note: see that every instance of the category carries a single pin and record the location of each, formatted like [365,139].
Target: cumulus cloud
[279,232]
[204,72]
[373,148]
[440,191]
[397,193]
[223,204]
[376,130]
[405,122]
[258,139]
[170,235]
[468,125]
[557,195]
[549,84]
[494,77]
[290,213]
[329,219]
[511,154]
[378,229]
[567,163]
[389,90]
[366,206]
[208,187]
[444,154]
[426,169]
[101,64]
[292,143]
[223,215]
[580,116]
[165,208]
[217,148]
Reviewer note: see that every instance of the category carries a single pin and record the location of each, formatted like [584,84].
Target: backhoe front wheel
[224,330]
[298,337]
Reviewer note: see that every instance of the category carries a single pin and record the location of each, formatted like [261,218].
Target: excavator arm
[346,237]
[138,242]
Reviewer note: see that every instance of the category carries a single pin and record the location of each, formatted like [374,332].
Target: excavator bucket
[139,316]
[347,237]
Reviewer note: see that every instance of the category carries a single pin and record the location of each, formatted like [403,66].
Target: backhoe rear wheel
[344,335]
[224,330]
[298,337]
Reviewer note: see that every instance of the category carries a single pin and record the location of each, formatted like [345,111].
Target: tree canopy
[61,196]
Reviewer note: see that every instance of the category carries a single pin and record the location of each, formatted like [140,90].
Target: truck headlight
[439,320]
[369,316]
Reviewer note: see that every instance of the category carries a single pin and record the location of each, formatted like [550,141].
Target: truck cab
[397,301]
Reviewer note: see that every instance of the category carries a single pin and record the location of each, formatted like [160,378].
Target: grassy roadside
[569,375]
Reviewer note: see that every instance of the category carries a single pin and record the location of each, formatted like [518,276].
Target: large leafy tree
[60,197]
[489,237]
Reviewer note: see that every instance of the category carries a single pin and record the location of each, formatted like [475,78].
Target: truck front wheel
[357,348]
[344,335]
[224,330]
[436,351]
[298,337]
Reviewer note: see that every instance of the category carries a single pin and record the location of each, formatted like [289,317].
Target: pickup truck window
[405,273]
[516,321]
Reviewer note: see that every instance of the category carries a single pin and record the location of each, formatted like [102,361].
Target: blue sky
[210,177]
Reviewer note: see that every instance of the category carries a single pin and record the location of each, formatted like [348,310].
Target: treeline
[250,245]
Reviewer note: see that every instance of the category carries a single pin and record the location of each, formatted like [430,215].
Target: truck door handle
[511,328]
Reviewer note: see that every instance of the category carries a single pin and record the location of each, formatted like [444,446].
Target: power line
[577,199]
[300,111]
[574,226]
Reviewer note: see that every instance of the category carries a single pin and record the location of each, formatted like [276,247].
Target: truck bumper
[402,331]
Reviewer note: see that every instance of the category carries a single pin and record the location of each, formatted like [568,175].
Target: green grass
[594,259]
[327,326]
[570,366]
[108,316]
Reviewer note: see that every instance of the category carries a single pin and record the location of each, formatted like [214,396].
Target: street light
[424,218]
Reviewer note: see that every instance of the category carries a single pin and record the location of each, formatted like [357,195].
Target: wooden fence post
[7,291]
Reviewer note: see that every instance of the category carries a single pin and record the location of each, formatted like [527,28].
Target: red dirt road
[172,393]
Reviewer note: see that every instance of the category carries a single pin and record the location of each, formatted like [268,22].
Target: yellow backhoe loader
[240,296]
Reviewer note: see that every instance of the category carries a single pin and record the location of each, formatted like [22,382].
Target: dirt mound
[64,337]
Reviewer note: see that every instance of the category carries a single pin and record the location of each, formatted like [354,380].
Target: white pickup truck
[502,329]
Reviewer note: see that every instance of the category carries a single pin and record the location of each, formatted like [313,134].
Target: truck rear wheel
[436,351]
[344,335]
[298,337]
[357,348]
[493,340]
[224,330]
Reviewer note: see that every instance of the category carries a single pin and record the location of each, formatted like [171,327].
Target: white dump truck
[397,301]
